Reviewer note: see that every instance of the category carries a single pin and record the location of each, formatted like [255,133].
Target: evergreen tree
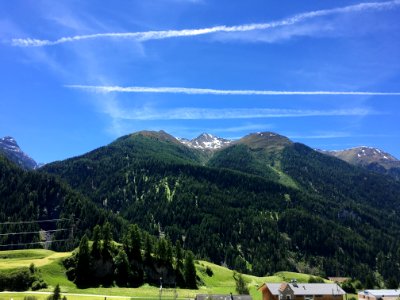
[180,280]
[122,268]
[56,293]
[161,250]
[133,248]
[82,271]
[107,241]
[136,243]
[96,247]
[168,251]
[148,249]
[190,271]
[241,285]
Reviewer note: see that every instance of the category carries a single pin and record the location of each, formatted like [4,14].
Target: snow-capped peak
[206,141]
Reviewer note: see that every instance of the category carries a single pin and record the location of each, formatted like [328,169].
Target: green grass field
[23,258]
[53,272]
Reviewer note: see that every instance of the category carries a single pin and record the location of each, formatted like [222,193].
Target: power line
[31,232]
[37,221]
[35,243]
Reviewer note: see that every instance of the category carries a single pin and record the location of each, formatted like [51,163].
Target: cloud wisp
[204,91]
[146,114]
[332,135]
[166,34]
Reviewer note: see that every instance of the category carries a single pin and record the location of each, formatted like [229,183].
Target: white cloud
[146,113]
[165,34]
[201,91]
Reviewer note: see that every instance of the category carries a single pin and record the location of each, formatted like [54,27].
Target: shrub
[209,272]
[38,284]
[348,287]
[21,280]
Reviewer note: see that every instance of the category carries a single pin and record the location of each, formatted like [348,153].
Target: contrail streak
[165,34]
[200,91]
[232,113]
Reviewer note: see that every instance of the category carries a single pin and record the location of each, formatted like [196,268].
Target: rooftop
[308,288]
[382,293]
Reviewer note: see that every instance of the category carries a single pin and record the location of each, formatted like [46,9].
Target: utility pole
[160,287]
[176,294]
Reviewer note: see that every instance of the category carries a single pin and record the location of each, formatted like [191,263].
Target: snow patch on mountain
[206,141]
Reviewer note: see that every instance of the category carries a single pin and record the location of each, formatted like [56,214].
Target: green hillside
[263,205]
[53,272]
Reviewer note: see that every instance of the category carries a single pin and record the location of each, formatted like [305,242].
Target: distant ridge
[371,158]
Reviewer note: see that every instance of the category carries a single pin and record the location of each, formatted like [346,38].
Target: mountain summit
[370,158]
[363,155]
[265,140]
[10,149]
[206,141]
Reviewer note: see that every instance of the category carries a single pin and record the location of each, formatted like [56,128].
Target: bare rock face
[10,149]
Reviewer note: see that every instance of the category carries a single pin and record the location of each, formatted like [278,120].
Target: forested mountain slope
[27,198]
[262,205]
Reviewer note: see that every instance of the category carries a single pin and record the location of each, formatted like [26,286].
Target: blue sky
[75,75]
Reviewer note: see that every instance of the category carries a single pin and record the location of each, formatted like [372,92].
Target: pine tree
[96,247]
[56,293]
[148,249]
[122,269]
[168,252]
[241,285]
[190,271]
[107,241]
[136,243]
[82,271]
[133,248]
[161,250]
[180,280]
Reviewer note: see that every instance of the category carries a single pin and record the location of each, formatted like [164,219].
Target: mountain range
[259,204]
[370,158]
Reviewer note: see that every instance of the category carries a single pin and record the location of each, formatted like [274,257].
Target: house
[222,297]
[301,291]
[379,294]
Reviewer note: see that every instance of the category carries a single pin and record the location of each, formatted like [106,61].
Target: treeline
[139,259]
